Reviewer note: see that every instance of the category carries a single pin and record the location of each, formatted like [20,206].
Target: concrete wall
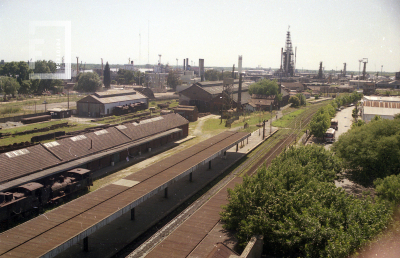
[253,249]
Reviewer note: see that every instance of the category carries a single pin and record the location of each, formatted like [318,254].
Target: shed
[189,112]
[58,113]
[102,103]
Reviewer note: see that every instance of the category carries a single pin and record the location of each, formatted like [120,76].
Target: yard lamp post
[359,67]
[45,102]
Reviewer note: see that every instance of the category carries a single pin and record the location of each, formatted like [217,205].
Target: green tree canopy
[371,151]
[302,99]
[173,79]
[211,75]
[9,85]
[299,210]
[126,76]
[107,76]
[88,82]
[319,123]
[294,100]
[264,87]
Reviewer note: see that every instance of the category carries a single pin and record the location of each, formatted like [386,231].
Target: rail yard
[74,222]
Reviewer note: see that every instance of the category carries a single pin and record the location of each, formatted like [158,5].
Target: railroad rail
[204,213]
[55,231]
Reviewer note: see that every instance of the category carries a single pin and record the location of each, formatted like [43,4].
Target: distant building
[129,67]
[157,81]
[2,62]
[385,107]
[208,97]
[102,103]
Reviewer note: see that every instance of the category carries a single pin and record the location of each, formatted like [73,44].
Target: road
[345,120]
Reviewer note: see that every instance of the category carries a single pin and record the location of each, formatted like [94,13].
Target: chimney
[184,66]
[240,65]
[187,64]
[239,100]
[233,72]
[201,69]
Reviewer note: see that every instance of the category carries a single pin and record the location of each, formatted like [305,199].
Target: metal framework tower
[288,61]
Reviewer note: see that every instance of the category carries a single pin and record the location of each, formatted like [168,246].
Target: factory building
[385,107]
[208,96]
[102,103]
[93,150]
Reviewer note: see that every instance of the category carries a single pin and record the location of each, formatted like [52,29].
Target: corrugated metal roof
[57,229]
[25,161]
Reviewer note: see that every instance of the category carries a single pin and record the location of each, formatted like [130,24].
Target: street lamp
[45,102]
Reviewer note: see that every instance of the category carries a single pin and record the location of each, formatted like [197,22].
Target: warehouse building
[385,107]
[102,103]
[207,96]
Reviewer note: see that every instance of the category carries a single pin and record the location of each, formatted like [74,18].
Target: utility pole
[381,70]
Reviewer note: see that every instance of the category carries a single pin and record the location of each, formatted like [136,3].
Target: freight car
[24,198]
[35,119]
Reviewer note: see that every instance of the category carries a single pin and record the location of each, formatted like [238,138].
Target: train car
[36,119]
[33,195]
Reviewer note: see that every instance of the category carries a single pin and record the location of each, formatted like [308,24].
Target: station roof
[15,164]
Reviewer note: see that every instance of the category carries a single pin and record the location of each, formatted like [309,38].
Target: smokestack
[233,72]
[295,59]
[184,66]
[240,65]
[281,57]
[239,103]
[187,64]
[201,69]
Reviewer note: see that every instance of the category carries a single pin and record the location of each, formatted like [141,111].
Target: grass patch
[10,110]
[285,120]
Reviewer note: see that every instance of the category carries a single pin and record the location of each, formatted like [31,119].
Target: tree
[126,76]
[302,99]
[9,85]
[88,82]
[25,87]
[211,75]
[320,122]
[295,101]
[370,151]
[265,88]
[299,210]
[173,79]
[107,76]
[359,122]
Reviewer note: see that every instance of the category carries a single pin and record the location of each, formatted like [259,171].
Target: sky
[334,32]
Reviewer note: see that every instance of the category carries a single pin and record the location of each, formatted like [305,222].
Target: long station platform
[57,230]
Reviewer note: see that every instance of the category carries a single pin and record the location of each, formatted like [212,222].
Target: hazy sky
[334,32]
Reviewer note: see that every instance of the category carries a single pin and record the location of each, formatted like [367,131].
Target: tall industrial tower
[288,61]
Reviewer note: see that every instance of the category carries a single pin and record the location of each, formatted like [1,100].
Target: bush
[388,188]
[294,101]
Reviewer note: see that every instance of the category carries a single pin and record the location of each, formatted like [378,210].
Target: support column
[237,147]
[86,244]
[191,177]
[166,192]
[133,214]
[209,164]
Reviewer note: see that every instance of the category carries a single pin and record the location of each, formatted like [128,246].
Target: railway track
[264,155]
